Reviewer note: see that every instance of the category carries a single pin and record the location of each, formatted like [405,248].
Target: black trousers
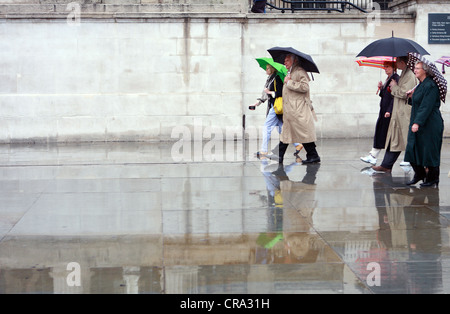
[390,158]
[310,149]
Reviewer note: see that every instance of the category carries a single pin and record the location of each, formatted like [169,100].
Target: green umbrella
[282,71]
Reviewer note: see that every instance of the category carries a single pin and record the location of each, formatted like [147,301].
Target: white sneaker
[405,164]
[369,159]
[369,171]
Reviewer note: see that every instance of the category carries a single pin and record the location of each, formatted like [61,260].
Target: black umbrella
[437,76]
[392,47]
[306,62]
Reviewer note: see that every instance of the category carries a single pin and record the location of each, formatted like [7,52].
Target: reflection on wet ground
[128,218]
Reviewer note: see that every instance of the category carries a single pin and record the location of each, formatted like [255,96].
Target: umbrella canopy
[445,61]
[437,76]
[281,69]
[392,47]
[375,62]
[306,62]
[268,240]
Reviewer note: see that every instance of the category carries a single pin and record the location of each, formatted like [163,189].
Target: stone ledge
[145,13]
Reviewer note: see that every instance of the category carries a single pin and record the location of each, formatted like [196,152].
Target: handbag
[278,104]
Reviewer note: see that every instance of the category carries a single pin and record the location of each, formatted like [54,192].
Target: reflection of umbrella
[282,71]
[306,62]
[392,47]
[437,76]
[445,61]
[268,240]
[374,62]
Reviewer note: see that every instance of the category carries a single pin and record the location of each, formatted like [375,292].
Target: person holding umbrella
[384,114]
[397,134]
[273,88]
[426,128]
[298,117]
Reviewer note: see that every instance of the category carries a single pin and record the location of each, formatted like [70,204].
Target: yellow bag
[278,104]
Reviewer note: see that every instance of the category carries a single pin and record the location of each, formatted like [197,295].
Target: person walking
[423,149]
[273,89]
[397,134]
[298,113]
[384,114]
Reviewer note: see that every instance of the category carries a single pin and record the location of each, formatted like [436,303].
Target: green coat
[424,146]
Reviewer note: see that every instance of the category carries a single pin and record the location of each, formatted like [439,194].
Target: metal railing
[325,5]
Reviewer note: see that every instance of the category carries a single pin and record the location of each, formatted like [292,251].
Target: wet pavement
[142,218]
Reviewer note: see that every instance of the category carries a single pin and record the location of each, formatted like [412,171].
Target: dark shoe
[311,160]
[430,184]
[382,169]
[415,180]
[432,178]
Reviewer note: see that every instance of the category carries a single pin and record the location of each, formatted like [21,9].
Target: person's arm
[400,91]
[298,82]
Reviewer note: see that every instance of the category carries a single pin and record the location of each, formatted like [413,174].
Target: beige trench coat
[298,115]
[401,113]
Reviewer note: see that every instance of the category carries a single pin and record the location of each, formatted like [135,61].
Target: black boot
[311,154]
[419,174]
[432,177]
[282,147]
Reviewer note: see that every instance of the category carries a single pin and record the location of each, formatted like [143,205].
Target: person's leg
[432,177]
[269,124]
[298,148]
[372,157]
[419,174]
[311,153]
[283,147]
[389,159]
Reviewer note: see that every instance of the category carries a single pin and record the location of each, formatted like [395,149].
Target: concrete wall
[143,75]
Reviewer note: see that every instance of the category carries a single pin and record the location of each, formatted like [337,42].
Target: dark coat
[276,86]
[386,105]
[424,146]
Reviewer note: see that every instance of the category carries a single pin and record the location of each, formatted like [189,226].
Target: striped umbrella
[437,76]
[445,61]
[374,62]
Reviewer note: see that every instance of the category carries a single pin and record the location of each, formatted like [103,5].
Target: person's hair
[272,69]
[404,59]
[295,59]
[391,64]
[426,68]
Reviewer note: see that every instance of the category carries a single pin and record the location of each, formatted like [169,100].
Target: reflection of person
[426,129]
[298,113]
[384,115]
[403,216]
[272,90]
[397,134]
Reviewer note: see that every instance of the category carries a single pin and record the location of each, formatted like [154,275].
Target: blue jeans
[272,122]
